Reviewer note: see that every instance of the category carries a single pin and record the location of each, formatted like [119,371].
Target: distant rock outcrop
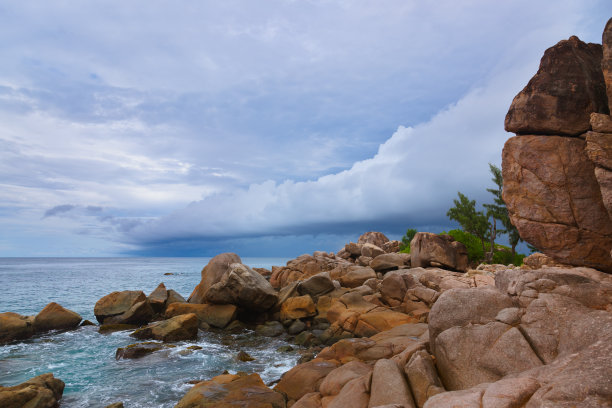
[557,171]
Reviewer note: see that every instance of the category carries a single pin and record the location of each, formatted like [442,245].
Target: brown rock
[43,391]
[387,262]
[211,274]
[297,308]
[243,287]
[459,307]
[355,394]
[138,350]
[599,151]
[230,390]
[427,248]
[471,398]
[606,61]
[182,327]
[372,323]
[474,354]
[537,260]
[554,200]
[353,248]
[14,326]
[214,315]
[601,123]
[316,285]
[139,313]
[559,99]
[391,246]
[389,385]
[310,400]
[336,379]
[377,238]
[371,250]
[304,378]
[117,303]
[157,298]
[55,317]
[356,276]
[422,377]
[174,297]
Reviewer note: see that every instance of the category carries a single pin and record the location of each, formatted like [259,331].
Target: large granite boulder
[241,286]
[305,266]
[14,326]
[181,327]
[373,237]
[211,274]
[554,200]
[43,391]
[232,390]
[304,378]
[559,99]
[116,304]
[440,250]
[55,317]
[606,61]
[213,315]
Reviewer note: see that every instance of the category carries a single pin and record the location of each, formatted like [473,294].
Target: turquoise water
[85,359]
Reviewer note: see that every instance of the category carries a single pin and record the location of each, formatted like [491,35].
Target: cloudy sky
[272,127]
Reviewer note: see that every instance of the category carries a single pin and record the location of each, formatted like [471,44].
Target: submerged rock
[182,327]
[140,350]
[43,391]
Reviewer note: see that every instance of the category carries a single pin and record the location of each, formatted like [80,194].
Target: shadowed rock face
[560,98]
[555,201]
[606,61]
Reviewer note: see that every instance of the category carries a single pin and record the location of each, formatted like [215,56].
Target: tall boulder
[606,61]
[554,200]
[559,99]
[243,287]
[211,274]
[427,249]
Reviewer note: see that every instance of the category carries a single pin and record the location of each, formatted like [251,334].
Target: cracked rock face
[555,201]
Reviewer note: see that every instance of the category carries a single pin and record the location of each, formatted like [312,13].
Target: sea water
[85,359]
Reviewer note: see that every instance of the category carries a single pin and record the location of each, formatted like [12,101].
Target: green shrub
[405,244]
[471,242]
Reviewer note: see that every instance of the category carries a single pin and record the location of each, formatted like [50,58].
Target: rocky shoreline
[385,329]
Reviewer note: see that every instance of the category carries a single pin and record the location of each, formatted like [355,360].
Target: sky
[265,128]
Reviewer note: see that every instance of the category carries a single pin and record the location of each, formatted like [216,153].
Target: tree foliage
[406,239]
[472,221]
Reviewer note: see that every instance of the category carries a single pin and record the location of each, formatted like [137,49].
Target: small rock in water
[296,327]
[285,349]
[168,273]
[87,323]
[109,328]
[244,356]
[270,329]
[138,350]
[115,405]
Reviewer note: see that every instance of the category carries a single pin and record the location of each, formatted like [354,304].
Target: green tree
[499,211]
[406,239]
[472,221]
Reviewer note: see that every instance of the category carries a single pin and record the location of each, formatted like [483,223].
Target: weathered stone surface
[459,307]
[117,303]
[139,350]
[389,385]
[229,390]
[211,274]
[427,248]
[14,326]
[182,327]
[470,398]
[387,262]
[316,285]
[601,123]
[599,150]
[474,354]
[304,378]
[270,329]
[554,200]
[371,250]
[139,313]
[243,287]
[157,298]
[606,61]
[56,317]
[174,297]
[559,99]
[305,266]
[422,377]
[310,400]
[297,308]
[43,391]
[373,237]
[337,378]
[214,315]
[356,276]
[355,394]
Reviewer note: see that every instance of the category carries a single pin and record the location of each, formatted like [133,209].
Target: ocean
[85,359]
